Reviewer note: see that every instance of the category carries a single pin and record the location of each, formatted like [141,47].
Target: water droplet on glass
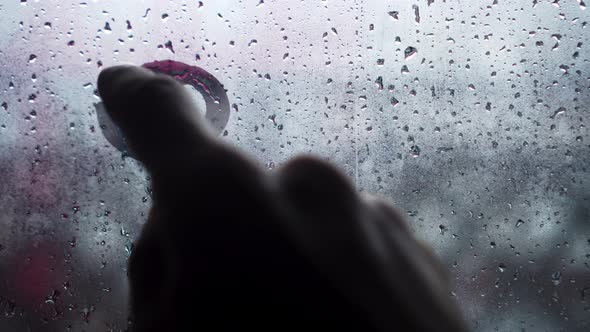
[394,102]
[557,112]
[169,46]
[86,313]
[379,82]
[53,297]
[129,248]
[556,278]
[9,309]
[394,15]
[410,52]
[501,267]
[416,13]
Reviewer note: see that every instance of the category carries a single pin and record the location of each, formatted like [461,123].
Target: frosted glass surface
[471,116]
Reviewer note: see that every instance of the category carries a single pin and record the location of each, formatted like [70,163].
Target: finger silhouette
[155,113]
[364,246]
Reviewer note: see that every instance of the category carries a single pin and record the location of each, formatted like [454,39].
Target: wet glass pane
[470,116]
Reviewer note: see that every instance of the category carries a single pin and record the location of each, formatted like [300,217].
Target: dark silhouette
[228,247]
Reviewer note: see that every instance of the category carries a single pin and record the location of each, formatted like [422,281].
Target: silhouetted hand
[228,247]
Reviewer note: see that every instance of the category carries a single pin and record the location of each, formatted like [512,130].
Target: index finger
[155,113]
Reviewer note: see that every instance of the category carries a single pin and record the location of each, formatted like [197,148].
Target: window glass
[471,116]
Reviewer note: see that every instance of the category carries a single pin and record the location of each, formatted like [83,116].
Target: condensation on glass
[471,116]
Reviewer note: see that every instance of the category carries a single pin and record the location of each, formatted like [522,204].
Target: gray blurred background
[471,116]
